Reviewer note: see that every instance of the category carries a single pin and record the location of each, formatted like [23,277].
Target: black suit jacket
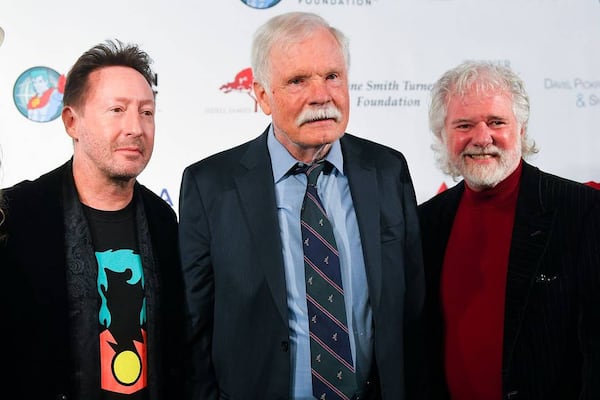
[551,346]
[236,290]
[35,309]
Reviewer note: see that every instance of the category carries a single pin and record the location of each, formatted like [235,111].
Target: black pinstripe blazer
[551,346]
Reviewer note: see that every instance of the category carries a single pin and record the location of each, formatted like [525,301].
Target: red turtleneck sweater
[473,287]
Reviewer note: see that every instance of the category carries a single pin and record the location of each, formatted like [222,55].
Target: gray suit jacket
[232,262]
[551,344]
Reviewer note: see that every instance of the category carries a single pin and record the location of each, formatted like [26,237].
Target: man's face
[482,138]
[113,128]
[308,97]
[40,84]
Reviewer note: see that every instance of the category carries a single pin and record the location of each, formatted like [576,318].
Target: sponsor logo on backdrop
[1,36]
[264,4]
[38,94]
[260,4]
[389,93]
[164,194]
[581,92]
[240,84]
[395,93]
[337,2]
[595,185]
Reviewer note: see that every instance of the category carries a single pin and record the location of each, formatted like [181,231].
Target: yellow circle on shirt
[127,367]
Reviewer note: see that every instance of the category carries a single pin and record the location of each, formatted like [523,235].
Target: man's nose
[319,91]
[133,123]
[482,134]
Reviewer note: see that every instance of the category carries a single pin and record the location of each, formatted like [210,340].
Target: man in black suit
[512,254]
[93,300]
[241,244]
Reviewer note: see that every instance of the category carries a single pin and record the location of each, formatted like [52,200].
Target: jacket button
[61,396]
[285,346]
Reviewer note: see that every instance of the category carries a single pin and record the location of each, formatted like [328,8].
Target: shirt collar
[282,161]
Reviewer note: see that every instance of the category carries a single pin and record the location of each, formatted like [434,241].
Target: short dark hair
[107,54]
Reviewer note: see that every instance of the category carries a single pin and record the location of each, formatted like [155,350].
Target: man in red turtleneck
[512,254]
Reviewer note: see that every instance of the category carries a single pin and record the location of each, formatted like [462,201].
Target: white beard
[481,177]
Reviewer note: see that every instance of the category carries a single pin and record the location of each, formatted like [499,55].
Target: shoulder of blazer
[378,160]
[368,149]
[39,199]
[39,189]
[445,202]
[547,192]
[155,205]
[248,154]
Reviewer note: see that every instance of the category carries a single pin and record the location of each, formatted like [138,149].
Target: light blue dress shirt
[337,200]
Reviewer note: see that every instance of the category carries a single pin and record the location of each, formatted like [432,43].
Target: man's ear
[262,97]
[70,120]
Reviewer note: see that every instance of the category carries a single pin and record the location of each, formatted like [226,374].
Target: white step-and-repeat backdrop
[399,47]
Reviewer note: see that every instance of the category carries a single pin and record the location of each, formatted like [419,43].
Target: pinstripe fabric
[551,347]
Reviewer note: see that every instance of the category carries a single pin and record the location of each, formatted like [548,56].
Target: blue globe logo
[261,4]
[38,94]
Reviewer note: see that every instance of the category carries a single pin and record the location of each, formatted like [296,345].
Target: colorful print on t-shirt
[122,315]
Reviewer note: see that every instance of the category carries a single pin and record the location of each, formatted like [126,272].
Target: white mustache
[490,150]
[318,114]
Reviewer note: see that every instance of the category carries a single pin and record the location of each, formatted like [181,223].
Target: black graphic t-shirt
[122,313]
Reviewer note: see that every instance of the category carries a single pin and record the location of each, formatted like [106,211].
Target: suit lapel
[365,196]
[530,237]
[254,183]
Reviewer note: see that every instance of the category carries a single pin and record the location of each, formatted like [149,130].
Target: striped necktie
[332,369]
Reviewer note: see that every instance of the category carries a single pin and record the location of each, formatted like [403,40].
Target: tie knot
[312,171]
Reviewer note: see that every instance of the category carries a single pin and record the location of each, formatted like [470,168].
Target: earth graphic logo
[38,94]
[261,4]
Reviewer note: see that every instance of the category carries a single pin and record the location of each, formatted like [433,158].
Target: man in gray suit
[512,254]
[242,248]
